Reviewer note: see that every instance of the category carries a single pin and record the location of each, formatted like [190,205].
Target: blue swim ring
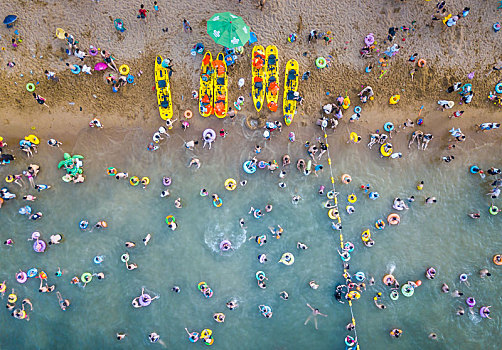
[130,78]
[357,109]
[466,88]
[498,88]
[360,276]
[32,272]
[388,127]
[474,169]
[76,70]
[248,168]
[98,259]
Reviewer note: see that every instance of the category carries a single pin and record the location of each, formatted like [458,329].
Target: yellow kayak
[220,86]
[272,73]
[259,76]
[290,87]
[206,100]
[163,90]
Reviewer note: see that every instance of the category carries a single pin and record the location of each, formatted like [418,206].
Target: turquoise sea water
[439,235]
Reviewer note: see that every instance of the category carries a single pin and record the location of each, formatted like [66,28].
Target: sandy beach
[430,235]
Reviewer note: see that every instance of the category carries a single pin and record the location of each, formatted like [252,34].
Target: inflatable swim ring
[394,99]
[474,169]
[262,164]
[346,102]
[76,69]
[230,184]
[471,302]
[39,246]
[380,224]
[134,181]
[353,295]
[320,62]
[98,259]
[86,277]
[366,236]
[21,277]
[145,300]
[350,209]
[352,198]
[287,259]
[124,257]
[12,298]
[170,219]
[360,276]
[225,245]
[393,219]
[354,137]
[9,178]
[330,194]
[32,139]
[498,88]
[349,246]
[388,280]
[494,210]
[248,168]
[111,171]
[188,114]
[130,78]
[388,126]
[407,290]
[357,109]
[32,272]
[145,180]
[421,63]
[217,202]
[333,214]
[497,259]
[346,179]
[386,152]
[83,224]
[394,295]
[206,333]
[30,87]
[124,69]
[166,181]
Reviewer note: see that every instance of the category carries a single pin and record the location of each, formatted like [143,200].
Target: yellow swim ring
[60,33]
[12,298]
[394,99]
[9,178]
[206,333]
[33,139]
[366,236]
[346,102]
[330,194]
[384,152]
[124,69]
[352,198]
[354,137]
[333,214]
[145,180]
[230,184]
[354,294]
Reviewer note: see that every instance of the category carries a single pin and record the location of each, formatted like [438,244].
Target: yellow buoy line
[345,272]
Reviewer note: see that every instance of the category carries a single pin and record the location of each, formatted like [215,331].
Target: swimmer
[42,187]
[460,311]
[300,245]
[176,289]
[375,300]
[194,161]
[121,336]
[241,223]
[99,275]
[36,216]
[296,199]
[26,301]
[282,174]
[484,273]
[372,281]
[55,239]
[232,304]
[445,288]
[286,160]
[338,293]
[132,266]
[282,185]
[474,215]
[121,176]
[153,337]
[29,198]
[457,294]
[284,295]
[219,317]
[262,258]
[156,137]
[350,327]
[315,312]
[177,203]
[99,224]
[300,165]
[165,193]
[396,333]
[9,242]
[313,285]
[46,288]
[63,303]
[268,208]
[130,244]
[147,239]
[261,239]
[243,183]
[262,284]
[430,200]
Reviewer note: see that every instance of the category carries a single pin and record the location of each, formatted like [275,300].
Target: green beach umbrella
[228,30]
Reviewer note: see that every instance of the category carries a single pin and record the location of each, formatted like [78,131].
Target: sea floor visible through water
[439,235]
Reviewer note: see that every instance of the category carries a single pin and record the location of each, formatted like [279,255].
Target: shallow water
[439,235]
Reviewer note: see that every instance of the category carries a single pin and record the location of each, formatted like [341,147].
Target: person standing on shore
[186,26]
[142,13]
[40,100]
